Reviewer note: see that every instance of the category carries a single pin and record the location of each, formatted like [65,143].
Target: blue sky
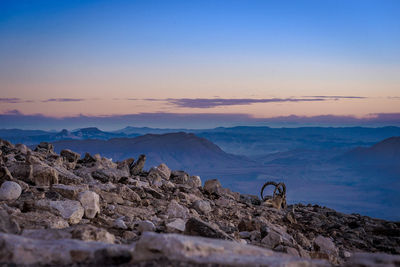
[118,56]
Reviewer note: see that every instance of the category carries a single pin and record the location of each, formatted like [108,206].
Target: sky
[206,63]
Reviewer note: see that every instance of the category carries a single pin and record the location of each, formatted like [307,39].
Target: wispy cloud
[64,100]
[13,100]
[337,97]
[216,102]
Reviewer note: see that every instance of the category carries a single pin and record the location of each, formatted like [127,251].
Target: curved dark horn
[265,185]
[281,188]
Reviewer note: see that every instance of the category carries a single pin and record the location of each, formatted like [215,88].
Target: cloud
[64,100]
[14,119]
[12,112]
[216,102]
[11,100]
[337,97]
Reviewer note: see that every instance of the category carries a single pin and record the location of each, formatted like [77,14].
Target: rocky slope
[64,209]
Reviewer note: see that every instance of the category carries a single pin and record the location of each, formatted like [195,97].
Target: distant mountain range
[179,150]
[244,140]
[384,153]
[30,137]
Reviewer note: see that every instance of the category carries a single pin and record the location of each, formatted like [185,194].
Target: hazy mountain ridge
[179,150]
[386,152]
[32,137]
[242,140]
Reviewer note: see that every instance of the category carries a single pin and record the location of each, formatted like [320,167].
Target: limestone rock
[176,226]
[40,219]
[44,175]
[175,210]
[69,210]
[325,245]
[90,202]
[126,193]
[162,171]
[194,181]
[202,206]
[10,191]
[69,155]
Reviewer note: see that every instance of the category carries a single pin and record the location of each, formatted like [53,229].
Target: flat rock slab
[19,250]
[200,250]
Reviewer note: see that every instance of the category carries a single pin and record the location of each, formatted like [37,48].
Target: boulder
[69,210]
[198,227]
[325,245]
[175,210]
[40,219]
[176,226]
[179,177]
[69,155]
[126,193]
[90,202]
[44,147]
[10,191]
[44,175]
[162,171]
[194,181]
[202,206]
[8,224]
[212,186]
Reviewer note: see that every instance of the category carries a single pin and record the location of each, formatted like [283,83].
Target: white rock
[164,171]
[176,226]
[202,206]
[272,240]
[70,210]
[325,245]
[10,191]
[175,210]
[90,202]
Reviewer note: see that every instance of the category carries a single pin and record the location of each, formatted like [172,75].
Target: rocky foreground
[67,210]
